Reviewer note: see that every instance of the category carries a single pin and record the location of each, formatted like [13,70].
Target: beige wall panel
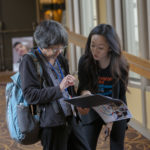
[134,103]
[148,109]
[102,11]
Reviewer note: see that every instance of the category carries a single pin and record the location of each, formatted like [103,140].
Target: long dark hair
[118,64]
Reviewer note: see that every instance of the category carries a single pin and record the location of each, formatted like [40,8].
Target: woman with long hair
[103,70]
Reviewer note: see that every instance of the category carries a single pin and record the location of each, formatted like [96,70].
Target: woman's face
[99,47]
[53,51]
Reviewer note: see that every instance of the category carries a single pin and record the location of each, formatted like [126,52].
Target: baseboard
[138,126]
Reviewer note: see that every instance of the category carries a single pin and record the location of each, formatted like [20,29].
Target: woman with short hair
[58,120]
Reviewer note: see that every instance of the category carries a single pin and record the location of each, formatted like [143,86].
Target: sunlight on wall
[134,103]
[102,11]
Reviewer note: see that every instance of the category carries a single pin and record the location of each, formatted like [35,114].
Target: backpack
[22,123]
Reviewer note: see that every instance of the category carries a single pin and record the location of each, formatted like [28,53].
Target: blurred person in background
[20,50]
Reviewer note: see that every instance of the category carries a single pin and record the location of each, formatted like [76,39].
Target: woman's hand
[85,92]
[84,111]
[67,81]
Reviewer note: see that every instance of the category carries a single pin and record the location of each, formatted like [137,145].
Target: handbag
[28,124]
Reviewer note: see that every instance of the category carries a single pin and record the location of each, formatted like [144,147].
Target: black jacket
[45,96]
[118,91]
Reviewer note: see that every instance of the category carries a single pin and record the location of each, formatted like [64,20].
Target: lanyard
[58,76]
[39,51]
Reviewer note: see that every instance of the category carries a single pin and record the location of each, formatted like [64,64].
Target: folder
[88,101]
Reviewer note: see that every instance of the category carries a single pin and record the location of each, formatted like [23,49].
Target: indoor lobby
[131,20]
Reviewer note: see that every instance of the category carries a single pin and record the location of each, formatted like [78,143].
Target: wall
[102,11]
[148,108]
[134,101]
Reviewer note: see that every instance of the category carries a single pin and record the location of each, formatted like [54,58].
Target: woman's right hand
[84,111]
[67,81]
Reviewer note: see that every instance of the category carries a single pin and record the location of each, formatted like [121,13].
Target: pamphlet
[108,108]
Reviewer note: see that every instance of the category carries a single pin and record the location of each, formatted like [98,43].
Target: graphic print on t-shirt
[105,85]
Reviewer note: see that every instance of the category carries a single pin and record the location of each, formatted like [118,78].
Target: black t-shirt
[105,82]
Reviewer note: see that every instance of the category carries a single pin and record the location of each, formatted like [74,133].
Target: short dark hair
[50,32]
[15,44]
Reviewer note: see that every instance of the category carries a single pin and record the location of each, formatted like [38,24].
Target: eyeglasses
[57,49]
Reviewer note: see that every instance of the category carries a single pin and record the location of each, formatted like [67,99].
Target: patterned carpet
[133,140]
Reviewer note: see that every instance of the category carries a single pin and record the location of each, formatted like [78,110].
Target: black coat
[45,96]
[118,90]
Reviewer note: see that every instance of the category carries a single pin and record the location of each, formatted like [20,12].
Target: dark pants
[67,137]
[117,134]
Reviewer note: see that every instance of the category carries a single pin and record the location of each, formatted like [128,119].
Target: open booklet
[108,108]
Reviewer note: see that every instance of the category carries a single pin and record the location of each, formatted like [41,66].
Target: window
[131,36]
[88,13]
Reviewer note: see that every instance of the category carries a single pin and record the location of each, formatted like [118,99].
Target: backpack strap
[37,65]
[35,109]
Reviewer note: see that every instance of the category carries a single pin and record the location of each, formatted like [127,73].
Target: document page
[111,112]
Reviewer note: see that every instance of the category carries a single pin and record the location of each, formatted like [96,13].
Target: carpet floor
[133,139]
